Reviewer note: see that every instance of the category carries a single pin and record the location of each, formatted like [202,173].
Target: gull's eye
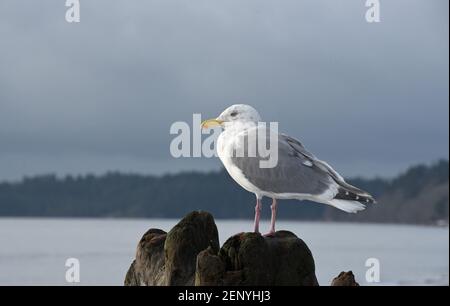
[233,114]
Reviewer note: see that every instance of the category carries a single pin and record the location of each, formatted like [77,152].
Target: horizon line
[193,171]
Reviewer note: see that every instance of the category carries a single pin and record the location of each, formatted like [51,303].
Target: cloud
[101,95]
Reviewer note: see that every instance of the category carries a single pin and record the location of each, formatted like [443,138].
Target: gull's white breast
[226,145]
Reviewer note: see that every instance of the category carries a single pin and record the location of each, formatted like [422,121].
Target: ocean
[34,251]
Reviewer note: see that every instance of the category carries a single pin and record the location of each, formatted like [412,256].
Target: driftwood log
[189,254]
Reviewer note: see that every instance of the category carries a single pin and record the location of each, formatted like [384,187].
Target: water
[34,251]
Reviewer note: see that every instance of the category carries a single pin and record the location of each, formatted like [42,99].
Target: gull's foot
[269,234]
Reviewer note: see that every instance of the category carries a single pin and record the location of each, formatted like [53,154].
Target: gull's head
[235,113]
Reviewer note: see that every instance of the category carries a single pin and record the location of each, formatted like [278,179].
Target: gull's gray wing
[297,171]
[347,188]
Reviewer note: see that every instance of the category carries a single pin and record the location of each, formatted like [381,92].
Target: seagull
[298,174]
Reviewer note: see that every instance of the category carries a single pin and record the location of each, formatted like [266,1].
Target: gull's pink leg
[257,215]
[273,207]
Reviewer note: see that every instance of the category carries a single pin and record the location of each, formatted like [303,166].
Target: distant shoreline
[418,196]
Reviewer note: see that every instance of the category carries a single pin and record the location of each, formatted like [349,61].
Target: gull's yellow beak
[211,123]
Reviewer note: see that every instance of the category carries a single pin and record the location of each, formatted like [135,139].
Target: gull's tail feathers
[350,198]
[347,206]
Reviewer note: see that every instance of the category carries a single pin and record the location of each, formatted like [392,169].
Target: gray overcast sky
[100,95]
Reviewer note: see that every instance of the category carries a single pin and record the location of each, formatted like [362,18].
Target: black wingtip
[345,194]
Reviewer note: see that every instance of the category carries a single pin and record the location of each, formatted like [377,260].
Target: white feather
[347,206]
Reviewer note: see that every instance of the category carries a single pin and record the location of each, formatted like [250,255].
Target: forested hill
[420,195]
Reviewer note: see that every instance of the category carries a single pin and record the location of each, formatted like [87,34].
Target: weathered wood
[345,279]
[189,255]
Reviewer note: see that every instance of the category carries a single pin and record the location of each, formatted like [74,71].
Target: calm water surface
[34,251]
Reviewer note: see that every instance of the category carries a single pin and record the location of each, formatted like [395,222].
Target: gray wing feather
[327,168]
[296,171]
